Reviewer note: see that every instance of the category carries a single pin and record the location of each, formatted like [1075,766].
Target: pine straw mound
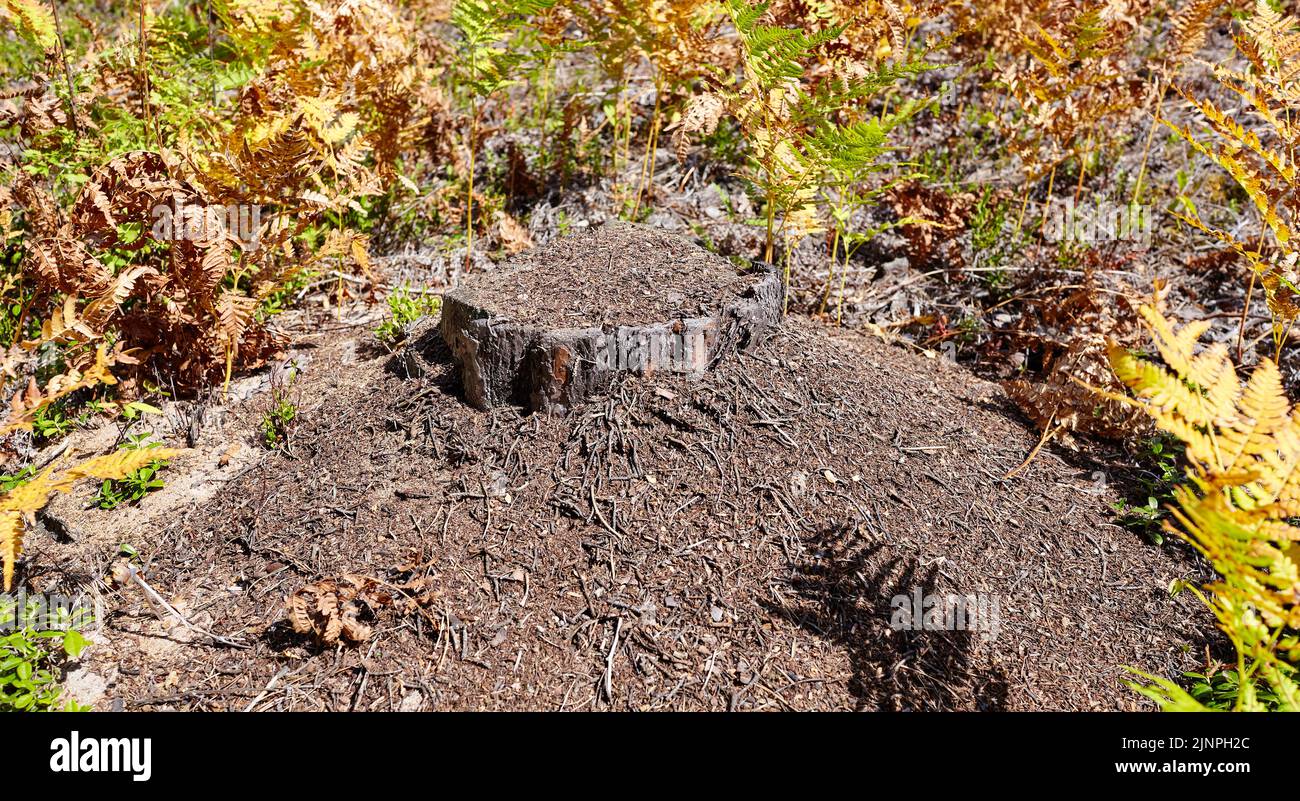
[729,544]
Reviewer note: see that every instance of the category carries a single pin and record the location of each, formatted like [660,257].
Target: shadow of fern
[845,593]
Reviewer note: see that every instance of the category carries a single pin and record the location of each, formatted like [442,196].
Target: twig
[1048,433]
[609,661]
[153,597]
[267,690]
[67,71]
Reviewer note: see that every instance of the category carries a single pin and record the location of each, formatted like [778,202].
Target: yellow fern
[1262,163]
[32,21]
[22,502]
[24,406]
[1244,447]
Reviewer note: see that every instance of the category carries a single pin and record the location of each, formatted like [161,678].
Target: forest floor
[739,542]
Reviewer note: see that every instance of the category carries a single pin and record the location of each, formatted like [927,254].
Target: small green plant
[490,65]
[12,481]
[1219,689]
[277,423]
[138,409]
[1160,474]
[31,661]
[407,306]
[138,483]
[804,138]
[988,222]
[51,422]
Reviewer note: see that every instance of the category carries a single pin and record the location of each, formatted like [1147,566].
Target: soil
[741,541]
[614,274]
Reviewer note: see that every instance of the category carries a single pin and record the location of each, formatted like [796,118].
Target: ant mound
[560,323]
[822,522]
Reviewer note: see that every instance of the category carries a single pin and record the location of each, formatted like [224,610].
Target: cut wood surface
[560,323]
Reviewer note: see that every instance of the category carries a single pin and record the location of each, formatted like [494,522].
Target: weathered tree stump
[559,323]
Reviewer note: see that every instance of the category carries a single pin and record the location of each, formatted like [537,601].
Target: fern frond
[24,406]
[1239,507]
[25,500]
[1165,692]
[1261,159]
[1188,29]
[32,21]
[11,544]
[116,465]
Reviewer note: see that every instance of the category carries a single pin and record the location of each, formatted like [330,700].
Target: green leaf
[74,643]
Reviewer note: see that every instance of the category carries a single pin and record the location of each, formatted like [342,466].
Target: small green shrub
[407,307]
[137,483]
[277,423]
[51,422]
[31,661]
[12,481]
[1160,474]
[1218,690]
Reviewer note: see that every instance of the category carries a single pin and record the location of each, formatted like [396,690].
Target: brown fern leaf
[331,609]
[1188,30]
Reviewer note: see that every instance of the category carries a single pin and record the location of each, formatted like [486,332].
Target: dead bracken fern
[328,95]
[335,610]
[331,609]
[1072,335]
[1188,29]
[20,505]
[1243,444]
[1066,72]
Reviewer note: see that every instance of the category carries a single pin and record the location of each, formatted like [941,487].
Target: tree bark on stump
[506,360]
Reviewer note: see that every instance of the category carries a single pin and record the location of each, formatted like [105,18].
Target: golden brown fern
[1243,444]
[1188,30]
[20,504]
[1065,69]
[1257,147]
[89,369]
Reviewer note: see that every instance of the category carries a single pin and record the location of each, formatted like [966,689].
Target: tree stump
[558,324]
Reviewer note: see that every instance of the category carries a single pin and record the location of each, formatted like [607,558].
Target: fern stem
[785,296]
[830,270]
[144,80]
[839,301]
[1245,310]
[1286,334]
[1083,170]
[1051,182]
[647,162]
[771,215]
[67,71]
[230,363]
[1048,433]
[1146,150]
[544,107]
[469,194]
[1024,205]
